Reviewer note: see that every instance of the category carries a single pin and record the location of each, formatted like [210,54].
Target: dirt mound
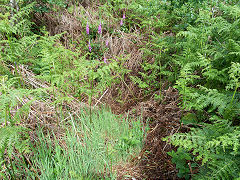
[163,117]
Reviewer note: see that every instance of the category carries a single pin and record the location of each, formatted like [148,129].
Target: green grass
[91,149]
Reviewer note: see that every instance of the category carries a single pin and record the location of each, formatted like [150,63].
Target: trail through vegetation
[112,89]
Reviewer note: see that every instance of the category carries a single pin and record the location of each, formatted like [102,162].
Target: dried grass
[44,113]
[163,117]
[126,45]
[127,171]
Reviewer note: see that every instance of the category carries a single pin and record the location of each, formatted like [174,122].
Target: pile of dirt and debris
[163,118]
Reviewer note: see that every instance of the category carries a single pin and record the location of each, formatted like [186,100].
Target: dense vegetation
[60,59]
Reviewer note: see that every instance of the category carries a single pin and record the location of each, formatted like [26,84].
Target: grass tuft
[89,150]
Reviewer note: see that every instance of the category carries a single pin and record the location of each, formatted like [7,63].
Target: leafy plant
[14,142]
[179,158]
[214,144]
[207,58]
[9,99]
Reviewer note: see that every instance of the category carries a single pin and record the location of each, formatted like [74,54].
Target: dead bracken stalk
[100,98]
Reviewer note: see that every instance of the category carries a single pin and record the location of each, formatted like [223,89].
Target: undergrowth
[88,150]
[191,45]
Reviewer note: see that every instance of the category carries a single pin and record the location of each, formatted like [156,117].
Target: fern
[234,75]
[207,54]
[226,167]
[19,24]
[210,99]
[214,144]
[10,98]
[13,138]
[13,141]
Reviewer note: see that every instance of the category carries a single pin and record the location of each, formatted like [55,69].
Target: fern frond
[211,140]
[234,75]
[11,138]
[225,167]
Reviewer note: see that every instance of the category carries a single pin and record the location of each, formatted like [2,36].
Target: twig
[74,127]
[100,98]
[190,167]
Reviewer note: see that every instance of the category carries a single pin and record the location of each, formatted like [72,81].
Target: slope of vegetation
[173,66]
